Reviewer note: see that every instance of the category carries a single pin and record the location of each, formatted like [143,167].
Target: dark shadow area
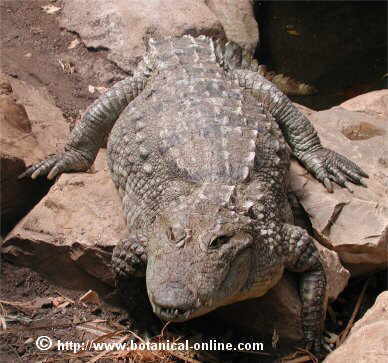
[343,308]
[18,197]
[340,47]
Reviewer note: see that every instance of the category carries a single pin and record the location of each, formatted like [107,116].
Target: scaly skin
[198,153]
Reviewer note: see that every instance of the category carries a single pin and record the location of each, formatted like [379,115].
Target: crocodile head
[199,255]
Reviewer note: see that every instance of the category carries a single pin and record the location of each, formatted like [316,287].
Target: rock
[47,123]
[354,225]
[16,136]
[32,127]
[367,341]
[122,27]
[375,102]
[70,234]
[113,26]
[238,21]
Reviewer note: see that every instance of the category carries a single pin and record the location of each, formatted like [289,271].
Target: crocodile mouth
[172,314]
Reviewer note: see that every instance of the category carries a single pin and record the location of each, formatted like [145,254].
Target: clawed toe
[328,166]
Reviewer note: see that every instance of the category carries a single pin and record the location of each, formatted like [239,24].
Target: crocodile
[199,150]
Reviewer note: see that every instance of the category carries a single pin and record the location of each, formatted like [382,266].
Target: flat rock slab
[375,102]
[355,225]
[70,234]
[367,341]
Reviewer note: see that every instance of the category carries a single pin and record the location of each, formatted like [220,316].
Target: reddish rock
[367,341]
[31,128]
[48,126]
[69,235]
[375,102]
[238,20]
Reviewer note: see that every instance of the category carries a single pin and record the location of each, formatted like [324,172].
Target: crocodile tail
[287,85]
[231,56]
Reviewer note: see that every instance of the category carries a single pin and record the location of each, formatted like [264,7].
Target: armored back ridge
[198,153]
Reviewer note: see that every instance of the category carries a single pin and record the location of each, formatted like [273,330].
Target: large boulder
[123,27]
[238,20]
[31,128]
[367,341]
[354,225]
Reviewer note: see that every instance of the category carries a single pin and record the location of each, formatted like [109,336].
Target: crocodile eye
[218,242]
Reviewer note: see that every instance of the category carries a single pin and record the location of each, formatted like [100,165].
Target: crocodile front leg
[326,165]
[129,258]
[303,257]
[129,261]
[90,132]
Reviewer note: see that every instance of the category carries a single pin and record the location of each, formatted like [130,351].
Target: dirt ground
[33,48]
[36,50]
[34,314]
[31,306]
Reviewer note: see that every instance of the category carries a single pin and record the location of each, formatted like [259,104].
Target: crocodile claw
[57,164]
[327,165]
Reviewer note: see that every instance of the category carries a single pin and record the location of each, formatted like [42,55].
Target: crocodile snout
[172,302]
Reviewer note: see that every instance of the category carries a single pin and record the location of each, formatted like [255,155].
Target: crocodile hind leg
[303,257]
[129,261]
